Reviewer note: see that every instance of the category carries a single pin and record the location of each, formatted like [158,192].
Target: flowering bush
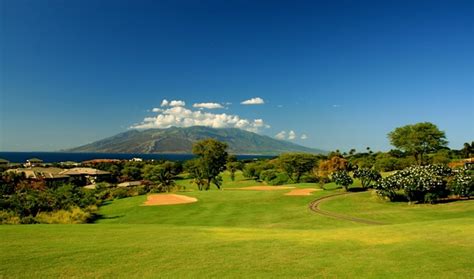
[462,183]
[342,178]
[419,183]
[367,176]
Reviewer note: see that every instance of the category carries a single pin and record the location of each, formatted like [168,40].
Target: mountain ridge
[177,140]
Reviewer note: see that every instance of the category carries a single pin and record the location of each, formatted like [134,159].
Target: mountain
[180,140]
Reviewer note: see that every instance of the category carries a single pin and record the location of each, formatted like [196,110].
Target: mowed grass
[249,234]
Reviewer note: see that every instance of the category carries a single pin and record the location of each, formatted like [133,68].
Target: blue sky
[343,73]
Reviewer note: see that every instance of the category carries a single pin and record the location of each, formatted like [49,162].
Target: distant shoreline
[58,156]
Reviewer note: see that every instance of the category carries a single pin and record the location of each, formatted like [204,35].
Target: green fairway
[254,234]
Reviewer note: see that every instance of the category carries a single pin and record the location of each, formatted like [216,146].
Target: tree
[163,175]
[131,173]
[212,157]
[297,164]
[342,178]
[195,173]
[233,167]
[418,139]
[468,149]
[325,168]
[367,176]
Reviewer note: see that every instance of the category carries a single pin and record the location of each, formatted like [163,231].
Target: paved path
[314,206]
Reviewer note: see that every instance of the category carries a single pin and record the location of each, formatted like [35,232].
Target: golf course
[240,232]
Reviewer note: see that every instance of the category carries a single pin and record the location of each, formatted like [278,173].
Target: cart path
[314,206]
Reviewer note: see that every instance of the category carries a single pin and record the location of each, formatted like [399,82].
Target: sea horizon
[60,156]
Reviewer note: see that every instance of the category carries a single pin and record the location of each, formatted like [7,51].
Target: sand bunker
[302,192]
[168,199]
[265,188]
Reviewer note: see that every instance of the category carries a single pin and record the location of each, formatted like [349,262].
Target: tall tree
[418,139]
[212,157]
[297,164]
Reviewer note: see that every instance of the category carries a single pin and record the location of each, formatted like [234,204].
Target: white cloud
[281,135]
[156,110]
[177,103]
[253,101]
[180,116]
[174,103]
[208,105]
[291,135]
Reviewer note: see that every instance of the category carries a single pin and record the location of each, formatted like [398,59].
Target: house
[49,175]
[85,176]
[33,162]
[136,160]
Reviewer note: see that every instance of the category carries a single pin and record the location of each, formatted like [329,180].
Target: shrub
[8,217]
[342,178]
[75,215]
[419,183]
[309,178]
[280,179]
[367,176]
[462,183]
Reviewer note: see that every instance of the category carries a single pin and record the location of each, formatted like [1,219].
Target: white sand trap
[265,188]
[302,192]
[168,199]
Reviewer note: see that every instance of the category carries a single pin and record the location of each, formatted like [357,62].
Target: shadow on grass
[355,190]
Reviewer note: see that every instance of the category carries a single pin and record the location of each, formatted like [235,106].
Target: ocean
[52,157]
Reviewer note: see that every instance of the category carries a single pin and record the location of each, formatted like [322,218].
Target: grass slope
[252,234]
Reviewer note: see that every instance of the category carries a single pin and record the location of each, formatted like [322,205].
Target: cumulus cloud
[208,105]
[253,101]
[156,110]
[291,135]
[281,135]
[179,116]
[173,103]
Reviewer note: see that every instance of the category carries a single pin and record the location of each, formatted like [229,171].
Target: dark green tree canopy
[297,164]
[418,139]
[212,158]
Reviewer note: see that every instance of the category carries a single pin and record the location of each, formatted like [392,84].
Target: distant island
[177,140]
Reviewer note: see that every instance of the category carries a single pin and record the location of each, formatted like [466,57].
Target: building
[136,160]
[33,162]
[85,176]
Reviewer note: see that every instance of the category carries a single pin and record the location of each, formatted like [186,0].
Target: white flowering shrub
[342,178]
[419,183]
[367,176]
[462,183]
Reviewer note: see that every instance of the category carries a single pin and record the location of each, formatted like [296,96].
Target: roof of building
[84,171]
[35,160]
[37,172]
